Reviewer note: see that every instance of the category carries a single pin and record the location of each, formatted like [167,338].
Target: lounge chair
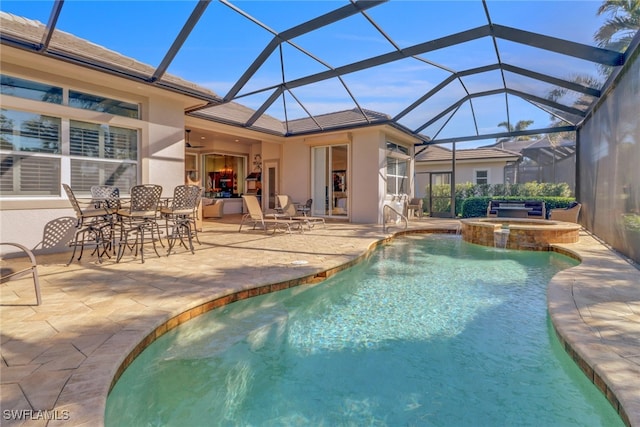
[257,217]
[568,214]
[289,210]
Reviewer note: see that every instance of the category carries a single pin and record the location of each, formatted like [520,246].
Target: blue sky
[224,43]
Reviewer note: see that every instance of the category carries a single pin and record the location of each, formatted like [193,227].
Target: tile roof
[237,114]
[339,119]
[63,44]
[67,46]
[434,153]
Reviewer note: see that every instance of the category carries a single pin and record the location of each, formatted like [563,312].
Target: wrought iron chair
[306,208]
[139,220]
[90,226]
[106,195]
[181,214]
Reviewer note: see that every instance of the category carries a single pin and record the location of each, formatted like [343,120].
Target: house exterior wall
[296,178]
[161,145]
[366,175]
[368,183]
[465,172]
[160,132]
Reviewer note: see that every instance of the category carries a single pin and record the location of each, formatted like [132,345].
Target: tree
[623,24]
[615,34]
[520,126]
[582,102]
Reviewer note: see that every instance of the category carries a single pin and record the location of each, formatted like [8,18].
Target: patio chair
[212,208]
[90,226]
[415,207]
[196,220]
[568,214]
[306,208]
[30,269]
[257,217]
[289,211]
[181,213]
[106,195]
[140,220]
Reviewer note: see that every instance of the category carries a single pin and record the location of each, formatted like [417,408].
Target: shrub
[477,206]
[554,195]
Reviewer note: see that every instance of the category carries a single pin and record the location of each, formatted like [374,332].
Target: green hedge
[477,206]
[478,196]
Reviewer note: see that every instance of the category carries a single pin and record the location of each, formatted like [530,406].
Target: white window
[30,90]
[482,176]
[397,168]
[34,147]
[30,146]
[106,105]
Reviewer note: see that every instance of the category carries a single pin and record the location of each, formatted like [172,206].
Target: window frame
[397,153]
[128,167]
[475,176]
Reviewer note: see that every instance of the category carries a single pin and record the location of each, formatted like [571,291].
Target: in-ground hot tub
[515,233]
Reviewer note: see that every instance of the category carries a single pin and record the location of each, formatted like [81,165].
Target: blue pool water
[429,331]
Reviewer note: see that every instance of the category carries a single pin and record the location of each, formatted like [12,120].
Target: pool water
[429,331]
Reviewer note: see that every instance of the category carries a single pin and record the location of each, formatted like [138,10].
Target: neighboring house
[77,122]
[476,166]
[543,160]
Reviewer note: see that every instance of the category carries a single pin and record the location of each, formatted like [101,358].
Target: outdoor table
[513,212]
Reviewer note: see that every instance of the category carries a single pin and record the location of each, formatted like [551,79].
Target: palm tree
[520,125]
[615,34]
[623,23]
[581,101]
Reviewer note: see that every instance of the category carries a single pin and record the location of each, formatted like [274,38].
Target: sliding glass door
[330,191]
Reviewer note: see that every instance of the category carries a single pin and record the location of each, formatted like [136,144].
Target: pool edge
[568,327]
[596,357]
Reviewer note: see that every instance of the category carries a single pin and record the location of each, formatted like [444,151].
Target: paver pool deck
[62,356]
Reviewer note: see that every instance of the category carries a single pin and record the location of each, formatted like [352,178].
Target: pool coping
[595,311]
[581,328]
[569,327]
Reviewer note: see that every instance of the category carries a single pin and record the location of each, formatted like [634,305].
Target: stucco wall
[465,172]
[161,155]
[366,176]
[296,155]
[163,145]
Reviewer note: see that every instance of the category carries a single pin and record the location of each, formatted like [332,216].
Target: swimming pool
[430,330]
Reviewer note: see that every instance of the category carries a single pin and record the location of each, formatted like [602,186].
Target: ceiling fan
[187,143]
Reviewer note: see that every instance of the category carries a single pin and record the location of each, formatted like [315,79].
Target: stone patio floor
[61,357]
